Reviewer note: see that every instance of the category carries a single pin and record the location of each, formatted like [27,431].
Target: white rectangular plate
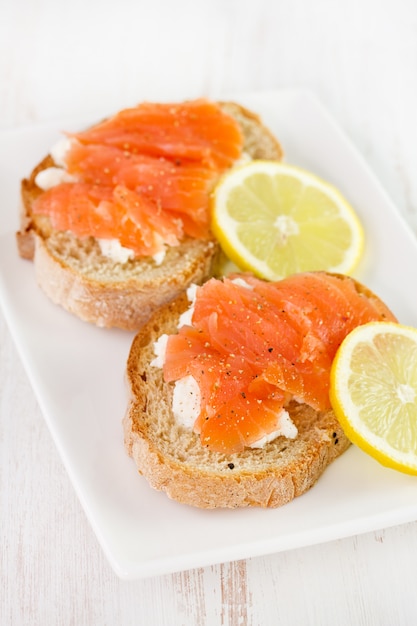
[77,372]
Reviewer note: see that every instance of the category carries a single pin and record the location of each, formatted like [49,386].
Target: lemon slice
[276,219]
[373,391]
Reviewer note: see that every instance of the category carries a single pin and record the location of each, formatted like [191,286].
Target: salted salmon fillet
[255,346]
[144,176]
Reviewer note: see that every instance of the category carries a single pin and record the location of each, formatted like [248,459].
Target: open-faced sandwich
[230,387]
[116,217]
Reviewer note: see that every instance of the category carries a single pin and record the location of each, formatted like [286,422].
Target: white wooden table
[63,59]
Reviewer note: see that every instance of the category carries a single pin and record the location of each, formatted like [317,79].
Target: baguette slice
[74,274]
[173,460]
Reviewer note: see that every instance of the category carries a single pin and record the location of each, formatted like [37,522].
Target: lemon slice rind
[373,392]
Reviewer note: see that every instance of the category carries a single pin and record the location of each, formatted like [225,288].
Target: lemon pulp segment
[276,219]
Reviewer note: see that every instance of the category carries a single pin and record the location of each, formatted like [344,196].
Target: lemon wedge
[275,219]
[373,391]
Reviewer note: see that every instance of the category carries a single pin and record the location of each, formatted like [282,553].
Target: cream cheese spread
[60,150]
[52,176]
[286,428]
[112,249]
[186,401]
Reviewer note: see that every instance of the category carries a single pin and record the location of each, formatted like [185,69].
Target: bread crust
[127,303]
[172,459]
[76,276]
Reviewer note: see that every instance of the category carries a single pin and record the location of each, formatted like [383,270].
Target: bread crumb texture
[85,257]
[173,460]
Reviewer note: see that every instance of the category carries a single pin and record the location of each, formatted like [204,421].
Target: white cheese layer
[112,249]
[159,348]
[52,176]
[159,257]
[60,150]
[241,282]
[186,318]
[286,428]
[186,401]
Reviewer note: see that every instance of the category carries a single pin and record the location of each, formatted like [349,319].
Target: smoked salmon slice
[195,131]
[144,176]
[254,346]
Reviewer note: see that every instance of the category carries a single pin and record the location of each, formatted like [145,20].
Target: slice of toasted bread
[75,274]
[173,460]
